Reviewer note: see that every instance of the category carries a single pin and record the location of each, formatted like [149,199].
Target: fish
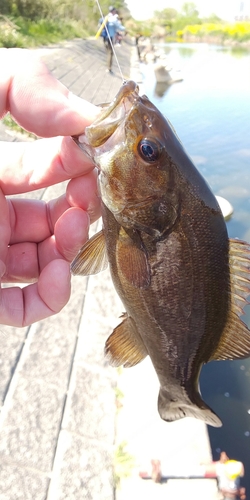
[183,283]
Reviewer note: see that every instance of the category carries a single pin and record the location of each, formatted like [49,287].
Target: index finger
[33,165]
[38,102]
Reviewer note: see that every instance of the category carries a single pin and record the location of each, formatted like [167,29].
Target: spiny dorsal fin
[92,257]
[235,340]
[125,346]
[132,260]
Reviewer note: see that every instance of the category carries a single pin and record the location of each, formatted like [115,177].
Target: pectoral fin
[125,346]
[132,260]
[235,340]
[92,257]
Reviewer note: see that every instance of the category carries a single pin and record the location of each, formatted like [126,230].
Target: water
[210,111]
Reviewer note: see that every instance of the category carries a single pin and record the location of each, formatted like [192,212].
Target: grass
[12,125]
[15,31]
[123,463]
[20,32]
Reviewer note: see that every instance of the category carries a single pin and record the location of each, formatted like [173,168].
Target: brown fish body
[181,314]
[169,255]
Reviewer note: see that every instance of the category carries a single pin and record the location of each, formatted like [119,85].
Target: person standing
[228,474]
[137,39]
[113,26]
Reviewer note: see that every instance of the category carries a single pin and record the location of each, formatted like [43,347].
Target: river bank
[217,40]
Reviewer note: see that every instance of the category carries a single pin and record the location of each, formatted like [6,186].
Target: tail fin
[170,410]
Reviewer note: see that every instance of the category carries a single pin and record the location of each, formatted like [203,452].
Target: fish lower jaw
[171,410]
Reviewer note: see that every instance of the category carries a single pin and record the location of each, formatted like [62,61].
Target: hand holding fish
[38,239]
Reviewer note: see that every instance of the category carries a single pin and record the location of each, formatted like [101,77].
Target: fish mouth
[110,118]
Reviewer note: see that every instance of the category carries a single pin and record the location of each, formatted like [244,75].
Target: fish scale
[182,282]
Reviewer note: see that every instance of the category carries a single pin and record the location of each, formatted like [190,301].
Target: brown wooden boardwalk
[59,425]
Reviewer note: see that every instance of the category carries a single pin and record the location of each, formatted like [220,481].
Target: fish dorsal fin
[235,340]
[92,257]
[132,260]
[125,346]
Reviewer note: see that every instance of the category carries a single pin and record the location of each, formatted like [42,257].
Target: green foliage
[9,34]
[189,10]
[182,21]
[26,23]
[123,463]
[5,7]
[213,18]
[44,31]
[84,10]
[188,15]
[28,33]
[166,17]
[145,28]
[12,125]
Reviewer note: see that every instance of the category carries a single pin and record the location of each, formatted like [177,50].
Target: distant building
[242,10]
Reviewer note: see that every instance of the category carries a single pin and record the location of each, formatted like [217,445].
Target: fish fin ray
[235,340]
[92,257]
[170,410]
[125,346]
[239,261]
[132,260]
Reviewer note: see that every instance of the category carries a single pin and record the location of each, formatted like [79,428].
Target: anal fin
[125,346]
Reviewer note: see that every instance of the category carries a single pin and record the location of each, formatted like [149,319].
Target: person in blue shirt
[113,26]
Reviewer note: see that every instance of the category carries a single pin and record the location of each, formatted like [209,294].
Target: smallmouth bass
[182,281]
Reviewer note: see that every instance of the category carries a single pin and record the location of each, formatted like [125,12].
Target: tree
[166,15]
[189,15]
[5,6]
[213,18]
[190,10]
[165,18]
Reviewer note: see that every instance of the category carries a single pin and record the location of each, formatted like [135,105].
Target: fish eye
[149,150]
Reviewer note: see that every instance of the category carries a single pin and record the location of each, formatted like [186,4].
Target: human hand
[38,239]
